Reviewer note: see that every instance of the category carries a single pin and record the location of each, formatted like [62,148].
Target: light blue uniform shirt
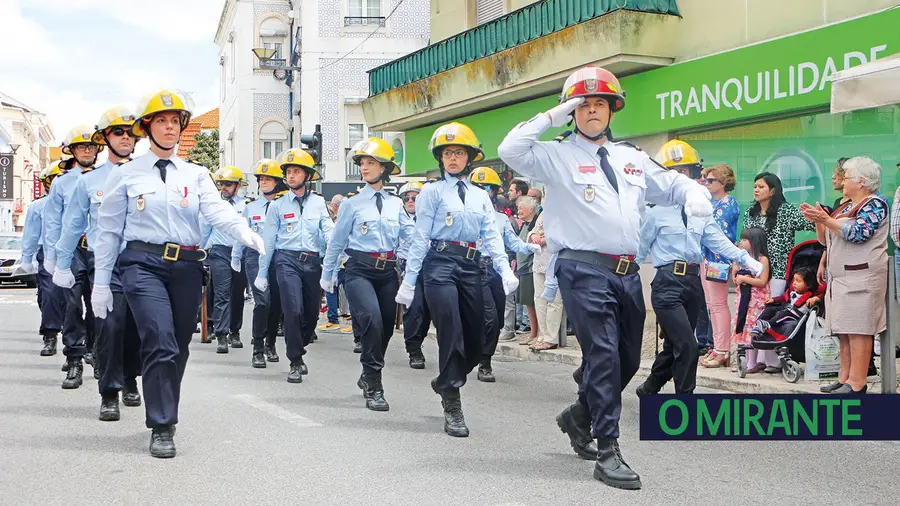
[442,216]
[80,215]
[406,242]
[162,219]
[287,228]
[31,232]
[582,211]
[60,194]
[216,237]
[255,214]
[511,240]
[665,238]
[361,227]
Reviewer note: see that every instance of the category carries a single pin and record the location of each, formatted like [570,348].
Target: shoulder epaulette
[563,136]
[626,143]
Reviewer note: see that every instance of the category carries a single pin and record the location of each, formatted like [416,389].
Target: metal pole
[889,337]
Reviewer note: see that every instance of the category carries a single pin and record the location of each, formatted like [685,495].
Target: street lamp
[264,55]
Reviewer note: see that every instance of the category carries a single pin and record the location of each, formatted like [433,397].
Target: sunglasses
[407,198]
[119,131]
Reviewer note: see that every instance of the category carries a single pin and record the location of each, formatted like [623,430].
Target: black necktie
[461,190]
[267,207]
[684,217]
[378,204]
[607,169]
[162,165]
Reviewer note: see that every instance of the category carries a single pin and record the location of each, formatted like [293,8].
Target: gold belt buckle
[84,242]
[680,268]
[169,247]
[304,256]
[622,266]
[380,263]
[470,253]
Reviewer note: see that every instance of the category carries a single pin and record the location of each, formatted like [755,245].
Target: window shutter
[486,10]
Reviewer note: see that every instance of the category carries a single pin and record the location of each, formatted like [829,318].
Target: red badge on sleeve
[291,215]
[587,169]
[257,218]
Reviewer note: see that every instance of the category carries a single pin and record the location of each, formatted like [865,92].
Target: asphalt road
[248,437]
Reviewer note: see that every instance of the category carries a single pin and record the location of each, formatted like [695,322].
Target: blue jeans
[704,328]
[332,299]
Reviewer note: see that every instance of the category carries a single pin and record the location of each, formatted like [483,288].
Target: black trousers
[228,292]
[118,344]
[78,326]
[494,307]
[416,317]
[164,297]
[607,311]
[677,301]
[51,299]
[454,294]
[298,284]
[266,304]
[371,294]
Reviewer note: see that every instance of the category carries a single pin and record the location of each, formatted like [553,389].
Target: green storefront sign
[776,77]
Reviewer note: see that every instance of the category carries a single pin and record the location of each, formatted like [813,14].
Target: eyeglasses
[711,180]
[119,131]
[85,147]
[407,198]
[456,153]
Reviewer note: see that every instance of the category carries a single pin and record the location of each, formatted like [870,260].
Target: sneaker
[347,330]
[329,327]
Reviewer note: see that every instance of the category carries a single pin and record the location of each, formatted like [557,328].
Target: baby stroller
[790,346]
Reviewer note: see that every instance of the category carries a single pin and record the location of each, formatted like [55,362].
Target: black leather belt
[378,263]
[467,252]
[620,265]
[681,268]
[170,251]
[303,256]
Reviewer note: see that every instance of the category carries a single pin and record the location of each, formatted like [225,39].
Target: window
[277,46]
[355,133]
[273,138]
[364,12]
[273,35]
[487,10]
[271,149]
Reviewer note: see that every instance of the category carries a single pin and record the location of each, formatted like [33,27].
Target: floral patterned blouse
[781,239]
[726,212]
[871,216]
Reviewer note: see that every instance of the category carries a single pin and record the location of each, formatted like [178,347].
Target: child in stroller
[782,314]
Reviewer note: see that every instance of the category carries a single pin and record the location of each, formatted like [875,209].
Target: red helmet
[594,82]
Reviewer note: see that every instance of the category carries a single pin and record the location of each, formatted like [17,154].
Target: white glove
[754,266]
[405,294]
[327,284]
[697,204]
[101,300]
[559,115]
[510,282]
[63,278]
[261,284]
[49,264]
[252,240]
[535,248]
[35,265]
[236,264]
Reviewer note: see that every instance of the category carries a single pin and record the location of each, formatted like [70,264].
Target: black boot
[65,366]
[280,331]
[575,422]
[162,444]
[485,373]
[303,369]
[645,389]
[271,354]
[315,337]
[374,393]
[611,467]
[109,408]
[361,383]
[96,368]
[73,375]
[357,347]
[131,397]
[454,421]
[417,359]
[235,338]
[49,348]
[223,343]
[258,360]
[296,375]
[89,358]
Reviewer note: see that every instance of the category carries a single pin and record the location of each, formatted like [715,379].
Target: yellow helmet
[299,158]
[675,153]
[485,175]
[228,174]
[118,116]
[455,134]
[81,134]
[412,186]
[162,101]
[378,149]
[268,167]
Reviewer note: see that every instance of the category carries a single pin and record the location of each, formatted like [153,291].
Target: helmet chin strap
[113,150]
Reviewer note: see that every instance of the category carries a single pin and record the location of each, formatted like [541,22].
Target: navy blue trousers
[164,297]
[494,307]
[228,292]
[78,326]
[416,317]
[118,345]
[51,299]
[298,284]
[371,294]
[266,304]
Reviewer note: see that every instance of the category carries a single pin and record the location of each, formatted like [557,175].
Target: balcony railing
[351,170]
[518,27]
[275,62]
[363,21]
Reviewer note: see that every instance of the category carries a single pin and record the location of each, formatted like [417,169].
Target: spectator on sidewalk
[528,212]
[332,298]
[549,313]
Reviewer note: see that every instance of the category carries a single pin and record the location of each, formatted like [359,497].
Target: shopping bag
[823,351]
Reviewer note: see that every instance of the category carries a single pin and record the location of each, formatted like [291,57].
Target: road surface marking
[276,411]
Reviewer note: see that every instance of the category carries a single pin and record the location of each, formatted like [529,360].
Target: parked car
[11,268]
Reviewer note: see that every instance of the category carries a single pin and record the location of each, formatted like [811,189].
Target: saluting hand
[559,115]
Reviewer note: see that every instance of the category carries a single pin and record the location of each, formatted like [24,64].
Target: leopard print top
[781,239]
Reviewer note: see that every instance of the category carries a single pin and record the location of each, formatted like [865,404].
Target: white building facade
[26,135]
[331,44]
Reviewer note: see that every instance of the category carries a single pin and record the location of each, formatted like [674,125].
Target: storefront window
[803,151]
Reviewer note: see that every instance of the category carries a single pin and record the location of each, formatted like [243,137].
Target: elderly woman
[856,237]
[528,213]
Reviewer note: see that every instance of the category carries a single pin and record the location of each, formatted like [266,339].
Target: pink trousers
[719,313]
